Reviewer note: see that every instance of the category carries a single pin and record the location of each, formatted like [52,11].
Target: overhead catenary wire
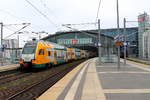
[50,11]
[17,31]
[40,12]
[6,25]
[45,6]
[16,17]
[10,29]
[99,5]
[80,24]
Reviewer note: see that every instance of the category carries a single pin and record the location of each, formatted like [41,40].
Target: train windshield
[29,48]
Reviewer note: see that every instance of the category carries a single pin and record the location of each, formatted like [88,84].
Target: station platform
[147,62]
[8,67]
[93,81]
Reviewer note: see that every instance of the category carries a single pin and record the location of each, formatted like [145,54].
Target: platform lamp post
[99,41]
[2,42]
[125,38]
[125,44]
[118,33]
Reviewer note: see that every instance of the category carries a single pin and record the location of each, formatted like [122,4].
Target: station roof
[110,33]
[94,32]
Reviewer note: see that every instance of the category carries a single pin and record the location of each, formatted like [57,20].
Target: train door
[55,57]
[50,55]
[66,56]
[64,53]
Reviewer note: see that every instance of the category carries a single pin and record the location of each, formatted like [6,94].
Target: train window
[49,53]
[29,48]
[41,52]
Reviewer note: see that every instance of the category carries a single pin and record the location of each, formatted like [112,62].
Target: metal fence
[10,56]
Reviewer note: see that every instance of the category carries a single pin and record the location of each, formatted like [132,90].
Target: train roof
[57,46]
[54,45]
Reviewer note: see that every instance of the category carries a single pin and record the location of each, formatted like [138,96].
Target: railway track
[30,86]
[7,73]
[13,77]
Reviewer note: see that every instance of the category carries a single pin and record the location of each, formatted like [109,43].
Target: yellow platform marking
[53,92]
[126,90]
[92,89]
[124,72]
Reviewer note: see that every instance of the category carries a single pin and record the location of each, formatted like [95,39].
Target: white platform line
[124,72]
[126,90]
[137,66]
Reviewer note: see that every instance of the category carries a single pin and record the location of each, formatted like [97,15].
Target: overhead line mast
[98,10]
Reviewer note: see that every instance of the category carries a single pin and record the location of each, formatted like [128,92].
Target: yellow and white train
[41,54]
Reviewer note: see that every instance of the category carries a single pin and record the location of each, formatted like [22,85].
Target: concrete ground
[91,81]
[8,67]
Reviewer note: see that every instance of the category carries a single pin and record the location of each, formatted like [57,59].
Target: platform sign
[118,43]
[125,43]
[74,41]
[99,44]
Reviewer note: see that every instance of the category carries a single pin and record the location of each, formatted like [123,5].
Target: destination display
[75,41]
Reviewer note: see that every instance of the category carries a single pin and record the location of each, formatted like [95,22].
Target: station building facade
[88,39]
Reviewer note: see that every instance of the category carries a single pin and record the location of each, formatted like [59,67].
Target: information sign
[119,43]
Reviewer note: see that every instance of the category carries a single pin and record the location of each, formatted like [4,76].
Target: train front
[28,54]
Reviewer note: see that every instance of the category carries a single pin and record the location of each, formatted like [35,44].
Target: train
[43,54]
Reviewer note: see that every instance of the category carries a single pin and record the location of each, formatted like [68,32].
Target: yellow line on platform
[126,90]
[92,89]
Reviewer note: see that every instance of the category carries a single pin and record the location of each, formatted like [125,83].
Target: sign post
[119,43]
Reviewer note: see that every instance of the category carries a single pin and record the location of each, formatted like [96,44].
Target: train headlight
[21,61]
[33,61]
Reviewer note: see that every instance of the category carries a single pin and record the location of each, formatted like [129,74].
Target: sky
[58,12]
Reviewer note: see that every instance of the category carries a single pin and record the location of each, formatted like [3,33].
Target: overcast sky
[60,12]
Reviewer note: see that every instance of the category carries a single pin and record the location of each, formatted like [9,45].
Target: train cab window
[41,52]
